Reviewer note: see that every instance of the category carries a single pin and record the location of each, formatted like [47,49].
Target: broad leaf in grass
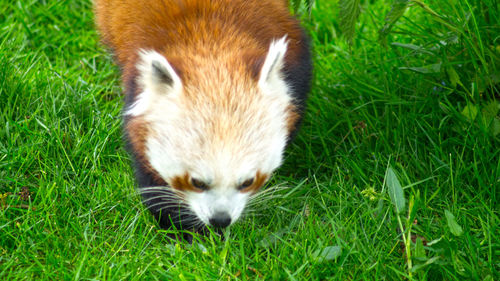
[491,118]
[272,238]
[470,112]
[452,223]
[453,76]
[420,266]
[349,13]
[395,190]
[296,5]
[397,10]
[419,249]
[327,254]
[495,127]
[491,110]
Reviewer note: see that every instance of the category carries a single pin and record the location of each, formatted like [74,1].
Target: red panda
[214,92]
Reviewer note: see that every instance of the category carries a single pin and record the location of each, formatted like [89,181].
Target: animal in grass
[214,92]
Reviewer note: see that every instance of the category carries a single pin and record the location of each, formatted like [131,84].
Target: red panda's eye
[246,184]
[199,184]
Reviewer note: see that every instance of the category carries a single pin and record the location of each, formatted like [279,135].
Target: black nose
[220,219]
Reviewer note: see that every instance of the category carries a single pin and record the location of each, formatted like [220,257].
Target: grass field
[421,112]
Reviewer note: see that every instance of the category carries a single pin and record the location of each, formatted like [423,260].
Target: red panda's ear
[271,75]
[156,78]
[156,73]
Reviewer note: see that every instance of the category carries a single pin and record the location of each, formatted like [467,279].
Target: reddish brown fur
[293,117]
[183,183]
[258,182]
[138,141]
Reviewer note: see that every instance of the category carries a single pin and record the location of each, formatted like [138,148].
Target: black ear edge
[161,73]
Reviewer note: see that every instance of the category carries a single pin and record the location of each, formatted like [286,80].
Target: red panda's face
[217,138]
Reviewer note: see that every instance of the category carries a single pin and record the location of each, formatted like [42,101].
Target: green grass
[425,107]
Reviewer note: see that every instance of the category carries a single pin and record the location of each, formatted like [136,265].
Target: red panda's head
[216,134]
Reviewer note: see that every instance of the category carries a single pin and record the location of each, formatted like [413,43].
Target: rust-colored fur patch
[183,183]
[259,181]
[292,117]
[137,129]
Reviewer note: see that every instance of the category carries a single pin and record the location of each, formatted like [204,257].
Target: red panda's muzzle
[220,219]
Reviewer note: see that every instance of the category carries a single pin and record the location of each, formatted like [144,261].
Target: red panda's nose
[220,219]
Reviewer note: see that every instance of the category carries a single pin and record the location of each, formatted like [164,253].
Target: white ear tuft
[271,74]
[156,78]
